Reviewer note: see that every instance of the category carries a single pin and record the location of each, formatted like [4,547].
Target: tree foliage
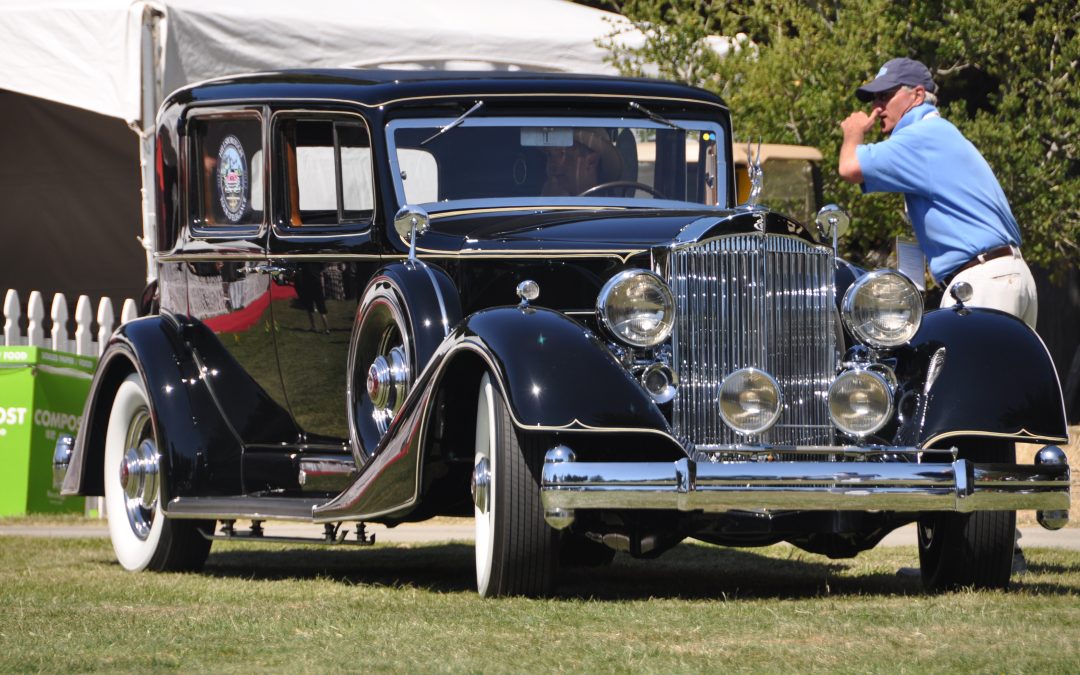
[1006,72]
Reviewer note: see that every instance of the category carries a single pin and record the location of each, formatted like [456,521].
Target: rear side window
[326,171]
[227,169]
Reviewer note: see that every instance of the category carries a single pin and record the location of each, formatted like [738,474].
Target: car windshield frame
[723,165]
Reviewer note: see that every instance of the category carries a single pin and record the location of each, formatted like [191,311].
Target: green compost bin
[42,392]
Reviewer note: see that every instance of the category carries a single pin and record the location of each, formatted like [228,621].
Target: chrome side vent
[760,300]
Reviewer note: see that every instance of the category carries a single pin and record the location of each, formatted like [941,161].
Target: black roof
[380,87]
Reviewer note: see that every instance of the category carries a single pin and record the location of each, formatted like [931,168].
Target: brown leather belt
[999,252]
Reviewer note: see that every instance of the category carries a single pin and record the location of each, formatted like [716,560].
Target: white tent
[74,72]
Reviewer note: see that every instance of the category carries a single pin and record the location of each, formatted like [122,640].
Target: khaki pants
[1002,283]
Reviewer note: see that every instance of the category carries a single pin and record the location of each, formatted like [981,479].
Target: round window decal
[232,178]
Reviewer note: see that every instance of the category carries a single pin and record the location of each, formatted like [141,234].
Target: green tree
[1006,71]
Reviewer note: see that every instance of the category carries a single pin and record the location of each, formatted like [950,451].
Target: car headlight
[750,401]
[637,307]
[860,401]
[883,309]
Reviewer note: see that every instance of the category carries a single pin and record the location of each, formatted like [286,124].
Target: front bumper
[685,485]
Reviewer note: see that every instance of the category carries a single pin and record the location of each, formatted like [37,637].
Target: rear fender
[200,453]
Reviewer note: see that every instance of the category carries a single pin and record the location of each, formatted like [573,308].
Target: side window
[227,189]
[326,172]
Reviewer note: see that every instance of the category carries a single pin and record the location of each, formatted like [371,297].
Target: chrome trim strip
[960,486]
[241,507]
[325,473]
[554,254]
[1023,436]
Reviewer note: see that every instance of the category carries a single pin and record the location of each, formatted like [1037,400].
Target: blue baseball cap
[895,73]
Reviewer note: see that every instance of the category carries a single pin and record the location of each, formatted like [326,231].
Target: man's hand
[854,127]
[858,124]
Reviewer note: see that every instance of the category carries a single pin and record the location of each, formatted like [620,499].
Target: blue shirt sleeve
[897,164]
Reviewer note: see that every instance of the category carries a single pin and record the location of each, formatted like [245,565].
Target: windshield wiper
[653,116]
[457,122]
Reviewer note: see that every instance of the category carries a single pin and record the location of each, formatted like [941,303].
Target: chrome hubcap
[139,475]
[388,384]
[388,379]
[481,485]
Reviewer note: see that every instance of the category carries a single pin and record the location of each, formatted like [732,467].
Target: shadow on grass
[1052,568]
[686,572]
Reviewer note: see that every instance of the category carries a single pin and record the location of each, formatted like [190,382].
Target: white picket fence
[84,341]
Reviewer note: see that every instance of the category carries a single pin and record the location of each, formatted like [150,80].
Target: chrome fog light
[860,402]
[883,309]
[637,308]
[660,381]
[750,401]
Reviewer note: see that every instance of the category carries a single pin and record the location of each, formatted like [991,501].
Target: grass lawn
[65,605]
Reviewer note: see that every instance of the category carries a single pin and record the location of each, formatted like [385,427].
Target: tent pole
[150,89]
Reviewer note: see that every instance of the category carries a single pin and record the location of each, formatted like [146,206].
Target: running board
[242,508]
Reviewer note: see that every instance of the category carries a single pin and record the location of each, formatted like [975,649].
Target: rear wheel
[969,549]
[516,551]
[142,537]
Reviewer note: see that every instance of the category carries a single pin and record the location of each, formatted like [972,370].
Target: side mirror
[832,219]
[411,222]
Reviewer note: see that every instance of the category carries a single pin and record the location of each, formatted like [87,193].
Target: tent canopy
[76,74]
[94,55]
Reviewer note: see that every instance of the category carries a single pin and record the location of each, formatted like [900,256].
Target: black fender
[556,376]
[429,306]
[186,421]
[430,301]
[997,380]
[846,275]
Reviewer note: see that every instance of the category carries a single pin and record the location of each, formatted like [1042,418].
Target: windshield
[492,161]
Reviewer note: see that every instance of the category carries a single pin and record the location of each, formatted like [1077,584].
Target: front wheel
[142,537]
[968,549]
[516,550]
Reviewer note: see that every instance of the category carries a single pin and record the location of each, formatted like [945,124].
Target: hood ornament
[754,173]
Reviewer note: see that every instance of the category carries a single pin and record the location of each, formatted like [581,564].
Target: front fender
[997,380]
[556,376]
[186,420]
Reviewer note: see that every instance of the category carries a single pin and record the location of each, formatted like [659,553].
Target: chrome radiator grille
[758,300]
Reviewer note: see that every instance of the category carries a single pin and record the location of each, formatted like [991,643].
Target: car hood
[579,229]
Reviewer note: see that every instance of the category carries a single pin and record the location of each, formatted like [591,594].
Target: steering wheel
[623,184]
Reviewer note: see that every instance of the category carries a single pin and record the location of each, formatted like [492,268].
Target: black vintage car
[387,296]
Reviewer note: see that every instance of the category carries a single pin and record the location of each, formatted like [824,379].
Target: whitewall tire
[516,551]
[142,537]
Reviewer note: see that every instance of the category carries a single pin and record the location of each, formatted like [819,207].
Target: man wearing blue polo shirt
[957,207]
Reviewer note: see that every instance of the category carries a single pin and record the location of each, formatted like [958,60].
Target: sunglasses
[885,96]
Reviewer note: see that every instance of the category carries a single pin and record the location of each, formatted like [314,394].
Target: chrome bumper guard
[685,485]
